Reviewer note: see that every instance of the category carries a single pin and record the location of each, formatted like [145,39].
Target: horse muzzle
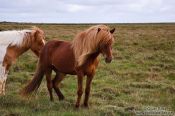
[108,59]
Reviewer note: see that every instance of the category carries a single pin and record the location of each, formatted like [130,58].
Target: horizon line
[86,23]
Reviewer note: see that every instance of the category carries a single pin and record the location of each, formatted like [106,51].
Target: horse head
[38,41]
[105,46]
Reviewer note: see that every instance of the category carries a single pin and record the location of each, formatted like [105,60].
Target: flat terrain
[140,77]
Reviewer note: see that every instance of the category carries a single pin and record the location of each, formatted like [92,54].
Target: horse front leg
[2,84]
[3,78]
[80,89]
[3,87]
[87,90]
[4,69]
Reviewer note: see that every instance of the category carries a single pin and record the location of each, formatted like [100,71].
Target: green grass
[142,74]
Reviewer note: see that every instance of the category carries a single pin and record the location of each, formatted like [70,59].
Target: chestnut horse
[79,57]
[13,44]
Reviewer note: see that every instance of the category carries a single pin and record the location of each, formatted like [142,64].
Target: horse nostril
[108,60]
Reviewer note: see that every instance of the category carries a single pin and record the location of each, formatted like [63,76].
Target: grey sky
[89,11]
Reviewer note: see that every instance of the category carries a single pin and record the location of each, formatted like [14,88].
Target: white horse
[13,44]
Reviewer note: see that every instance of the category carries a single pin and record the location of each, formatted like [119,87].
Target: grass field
[141,75]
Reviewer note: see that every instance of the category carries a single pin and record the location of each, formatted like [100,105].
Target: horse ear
[98,30]
[112,31]
[36,34]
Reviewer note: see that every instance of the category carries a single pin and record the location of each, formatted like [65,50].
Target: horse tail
[34,84]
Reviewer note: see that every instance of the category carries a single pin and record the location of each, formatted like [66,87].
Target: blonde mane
[87,42]
[17,37]
[29,37]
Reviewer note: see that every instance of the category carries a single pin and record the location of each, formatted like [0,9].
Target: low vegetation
[141,75]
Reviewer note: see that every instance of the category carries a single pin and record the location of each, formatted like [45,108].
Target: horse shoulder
[11,55]
[90,68]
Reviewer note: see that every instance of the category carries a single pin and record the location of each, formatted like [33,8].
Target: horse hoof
[2,93]
[77,105]
[51,100]
[86,105]
[61,98]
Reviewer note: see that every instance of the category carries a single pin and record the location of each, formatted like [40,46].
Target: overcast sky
[87,11]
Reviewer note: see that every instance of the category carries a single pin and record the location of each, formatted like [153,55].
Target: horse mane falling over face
[91,40]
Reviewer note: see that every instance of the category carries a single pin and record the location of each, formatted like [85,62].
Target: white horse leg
[1,87]
[3,78]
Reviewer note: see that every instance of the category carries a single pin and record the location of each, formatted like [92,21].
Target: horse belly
[64,68]
[64,61]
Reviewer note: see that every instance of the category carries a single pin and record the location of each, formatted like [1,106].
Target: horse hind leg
[58,78]
[49,83]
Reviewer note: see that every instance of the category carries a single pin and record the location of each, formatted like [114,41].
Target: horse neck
[29,40]
[25,47]
[93,57]
[20,50]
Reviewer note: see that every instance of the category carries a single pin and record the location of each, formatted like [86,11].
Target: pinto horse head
[38,40]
